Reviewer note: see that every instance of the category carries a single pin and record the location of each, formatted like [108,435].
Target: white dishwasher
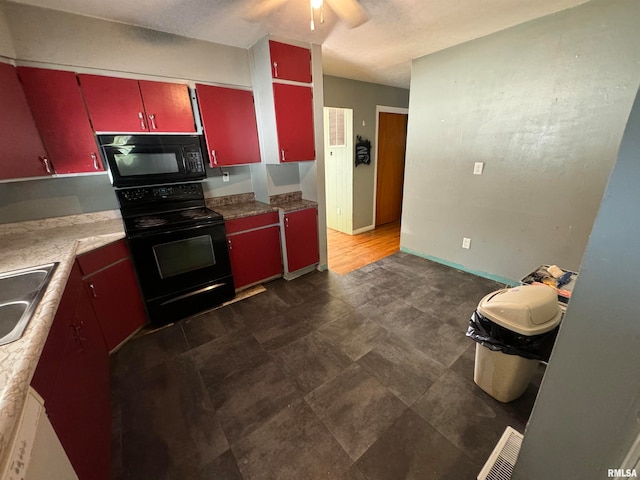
[36,452]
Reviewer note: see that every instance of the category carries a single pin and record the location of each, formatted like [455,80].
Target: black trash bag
[500,339]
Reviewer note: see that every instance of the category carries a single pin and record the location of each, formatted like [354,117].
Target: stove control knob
[133,195]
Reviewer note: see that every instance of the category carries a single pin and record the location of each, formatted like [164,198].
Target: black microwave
[137,160]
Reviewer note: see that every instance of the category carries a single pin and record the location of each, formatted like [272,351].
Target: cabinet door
[255,255]
[79,407]
[230,128]
[114,104]
[167,106]
[48,366]
[289,62]
[116,300]
[56,102]
[294,120]
[301,235]
[21,150]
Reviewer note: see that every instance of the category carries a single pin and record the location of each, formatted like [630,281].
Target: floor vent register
[503,458]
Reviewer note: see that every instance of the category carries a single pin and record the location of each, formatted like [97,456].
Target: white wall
[543,105]
[6,43]
[42,35]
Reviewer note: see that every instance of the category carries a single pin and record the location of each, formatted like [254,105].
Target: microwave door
[144,166]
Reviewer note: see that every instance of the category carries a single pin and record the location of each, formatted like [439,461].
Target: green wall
[362,98]
[543,105]
[587,414]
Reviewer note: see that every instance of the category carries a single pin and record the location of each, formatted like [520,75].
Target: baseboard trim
[364,229]
[298,273]
[457,266]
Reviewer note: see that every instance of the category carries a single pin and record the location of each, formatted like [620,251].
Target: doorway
[346,251]
[392,143]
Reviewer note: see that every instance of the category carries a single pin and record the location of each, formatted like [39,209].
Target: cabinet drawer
[102,257]
[248,223]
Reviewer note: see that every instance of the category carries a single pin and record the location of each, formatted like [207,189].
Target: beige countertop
[33,243]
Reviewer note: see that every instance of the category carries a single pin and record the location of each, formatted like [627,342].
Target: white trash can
[527,310]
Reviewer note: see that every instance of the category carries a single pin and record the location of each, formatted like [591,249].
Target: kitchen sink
[20,293]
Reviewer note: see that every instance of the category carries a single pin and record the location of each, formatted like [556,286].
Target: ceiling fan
[350,11]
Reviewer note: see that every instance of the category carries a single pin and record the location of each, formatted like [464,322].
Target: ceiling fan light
[316,4]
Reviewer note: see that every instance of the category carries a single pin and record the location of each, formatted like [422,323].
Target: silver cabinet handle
[214,158]
[152,117]
[282,155]
[286,222]
[47,164]
[94,157]
[275,69]
[93,290]
[230,245]
[142,124]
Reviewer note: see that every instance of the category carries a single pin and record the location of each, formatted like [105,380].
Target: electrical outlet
[477,168]
[225,176]
[466,243]
[339,211]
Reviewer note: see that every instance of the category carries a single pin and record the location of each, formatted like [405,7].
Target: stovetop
[161,221]
[147,210]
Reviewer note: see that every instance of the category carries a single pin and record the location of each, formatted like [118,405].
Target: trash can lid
[527,309]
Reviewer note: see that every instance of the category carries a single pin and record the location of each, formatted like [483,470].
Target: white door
[338,152]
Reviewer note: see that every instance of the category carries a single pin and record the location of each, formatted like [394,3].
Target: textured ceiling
[378,51]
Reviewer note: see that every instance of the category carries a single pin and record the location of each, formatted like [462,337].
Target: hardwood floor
[350,252]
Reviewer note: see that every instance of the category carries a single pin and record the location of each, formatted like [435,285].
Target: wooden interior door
[392,142]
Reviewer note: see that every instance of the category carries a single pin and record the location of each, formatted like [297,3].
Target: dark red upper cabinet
[58,109]
[289,62]
[294,119]
[22,153]
[126,105]
[229,122]
[168,107]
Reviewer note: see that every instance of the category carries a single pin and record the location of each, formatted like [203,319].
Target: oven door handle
[190,294]
[191,228]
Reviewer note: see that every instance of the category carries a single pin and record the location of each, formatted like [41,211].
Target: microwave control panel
[194,162]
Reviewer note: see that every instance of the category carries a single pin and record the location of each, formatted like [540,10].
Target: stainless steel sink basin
[20,293]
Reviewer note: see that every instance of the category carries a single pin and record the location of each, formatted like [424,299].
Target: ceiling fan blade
[350,11]
[257,10]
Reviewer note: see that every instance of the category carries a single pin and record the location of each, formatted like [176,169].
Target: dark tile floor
[363,376]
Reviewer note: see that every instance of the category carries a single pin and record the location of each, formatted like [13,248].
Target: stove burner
[148,222]
[195,214]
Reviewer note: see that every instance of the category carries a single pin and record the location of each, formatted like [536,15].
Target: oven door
[179,262]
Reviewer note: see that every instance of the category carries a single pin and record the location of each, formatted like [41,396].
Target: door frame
[379,109]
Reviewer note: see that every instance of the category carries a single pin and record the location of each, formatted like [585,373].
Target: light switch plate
[466,243]
[225,176]
[477,168]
